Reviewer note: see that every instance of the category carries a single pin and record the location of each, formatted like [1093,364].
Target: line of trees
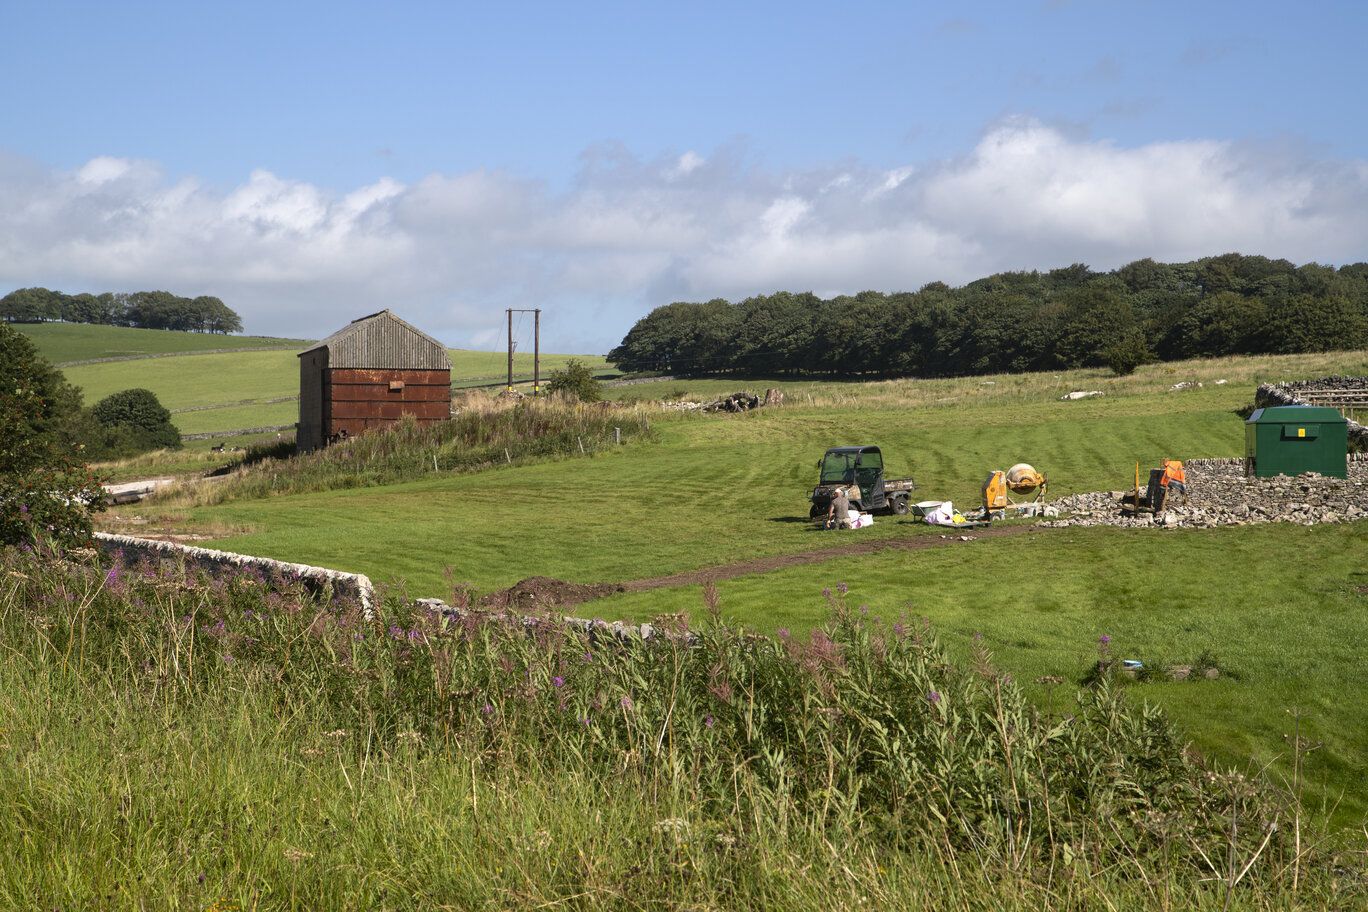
[1017,321]
[143,309]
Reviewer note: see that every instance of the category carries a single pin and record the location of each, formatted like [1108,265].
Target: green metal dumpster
[1292,439]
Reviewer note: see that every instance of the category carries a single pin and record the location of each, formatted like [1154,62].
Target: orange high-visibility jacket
[1173,471]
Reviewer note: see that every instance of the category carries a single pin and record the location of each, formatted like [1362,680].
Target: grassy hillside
[61,342]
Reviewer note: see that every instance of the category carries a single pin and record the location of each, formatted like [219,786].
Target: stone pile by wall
[1303,392]
[1219,494]
[320,579]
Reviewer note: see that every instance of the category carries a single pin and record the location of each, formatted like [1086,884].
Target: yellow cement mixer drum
[1023,478]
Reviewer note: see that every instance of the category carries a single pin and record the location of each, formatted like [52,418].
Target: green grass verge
[60,342]
[170,741]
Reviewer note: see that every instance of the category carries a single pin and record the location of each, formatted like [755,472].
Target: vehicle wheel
[814,512]
[899,506]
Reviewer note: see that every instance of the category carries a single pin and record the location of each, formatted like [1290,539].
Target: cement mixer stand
[1021,479]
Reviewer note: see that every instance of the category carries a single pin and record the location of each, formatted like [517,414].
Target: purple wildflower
[783,633]
[842,588]
[112,577]
[933,697]
[228,659]
[585,721]
[558,681]
[588,657]
[625,702]
[899,629]
[487,710]
[708,721]
[826,592]
[396,632]
[1104,640]
[23,509]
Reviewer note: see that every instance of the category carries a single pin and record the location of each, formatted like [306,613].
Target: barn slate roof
[382,341]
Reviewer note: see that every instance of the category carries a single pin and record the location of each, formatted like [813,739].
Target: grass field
[719,489]
[61,342]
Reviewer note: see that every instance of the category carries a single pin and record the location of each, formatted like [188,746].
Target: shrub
[576,380]
[135,421]
[1124,355]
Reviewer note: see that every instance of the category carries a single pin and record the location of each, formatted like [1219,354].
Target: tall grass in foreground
[486,432]
[179,742]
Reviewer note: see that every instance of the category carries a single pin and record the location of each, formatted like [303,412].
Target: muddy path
[545,593]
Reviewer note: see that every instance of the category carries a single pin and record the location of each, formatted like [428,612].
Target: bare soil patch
[547,593]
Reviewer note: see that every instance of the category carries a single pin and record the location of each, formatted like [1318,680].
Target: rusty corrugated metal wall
[367,376]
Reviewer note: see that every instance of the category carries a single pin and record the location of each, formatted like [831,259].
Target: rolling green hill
[64,342]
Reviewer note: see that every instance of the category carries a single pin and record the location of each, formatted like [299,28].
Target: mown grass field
[1279,605]
[61,342]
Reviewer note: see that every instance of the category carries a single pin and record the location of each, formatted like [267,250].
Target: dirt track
[550,593]
[781,561]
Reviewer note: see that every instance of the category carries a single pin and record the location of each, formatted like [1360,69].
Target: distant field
[59,342]
[226,379]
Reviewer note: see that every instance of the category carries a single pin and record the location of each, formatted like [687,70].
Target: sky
[313,162]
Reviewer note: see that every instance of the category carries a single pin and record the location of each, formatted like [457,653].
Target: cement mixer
[1022,480]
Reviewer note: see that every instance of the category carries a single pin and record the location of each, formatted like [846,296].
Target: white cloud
[450,251]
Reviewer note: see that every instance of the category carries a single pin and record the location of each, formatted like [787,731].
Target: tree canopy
[142,309]
[1016,321]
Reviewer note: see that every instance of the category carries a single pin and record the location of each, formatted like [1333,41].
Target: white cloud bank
[450,251]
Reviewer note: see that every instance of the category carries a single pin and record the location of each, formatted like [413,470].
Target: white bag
[943,515]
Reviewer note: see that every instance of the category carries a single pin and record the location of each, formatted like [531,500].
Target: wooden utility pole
[510,348]
[536,352]
[536,346]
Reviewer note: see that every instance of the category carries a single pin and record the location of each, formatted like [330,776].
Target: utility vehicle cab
[860,471]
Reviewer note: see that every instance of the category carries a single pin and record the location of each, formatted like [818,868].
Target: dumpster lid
[1295,414]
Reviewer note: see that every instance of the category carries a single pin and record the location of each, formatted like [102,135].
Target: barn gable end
[368,375]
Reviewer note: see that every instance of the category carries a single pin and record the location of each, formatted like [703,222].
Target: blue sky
[304,160]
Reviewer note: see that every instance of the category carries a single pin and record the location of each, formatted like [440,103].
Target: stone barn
[368,375]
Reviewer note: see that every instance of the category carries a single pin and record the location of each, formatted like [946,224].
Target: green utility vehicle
[859,470]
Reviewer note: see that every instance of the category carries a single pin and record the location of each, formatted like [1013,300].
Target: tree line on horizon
[140,309]
[1012,322]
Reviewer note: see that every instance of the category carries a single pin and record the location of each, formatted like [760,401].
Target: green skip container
[1292,439]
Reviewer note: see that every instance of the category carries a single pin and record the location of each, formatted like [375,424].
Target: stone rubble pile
[1219,494]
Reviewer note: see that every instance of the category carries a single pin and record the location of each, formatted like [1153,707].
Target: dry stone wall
[327,582]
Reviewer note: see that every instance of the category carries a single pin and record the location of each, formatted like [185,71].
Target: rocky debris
[511,393]
[682,406]
[1080,394]
[637,381]
[1186,384]
[1219,494]
[543,592]
[773,396]
[743,401]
